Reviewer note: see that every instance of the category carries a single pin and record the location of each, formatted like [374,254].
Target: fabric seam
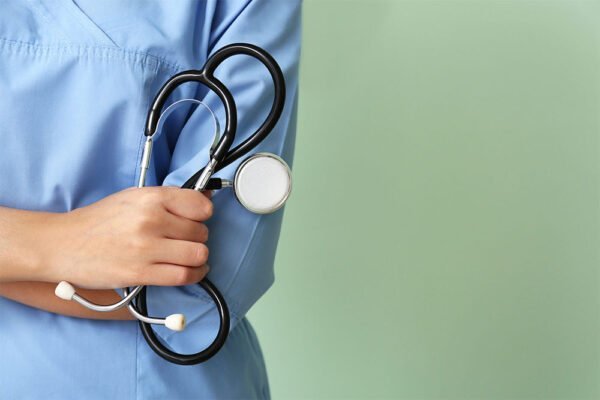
[91,27]
[145,58]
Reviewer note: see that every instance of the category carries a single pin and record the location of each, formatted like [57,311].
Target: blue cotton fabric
[76,80]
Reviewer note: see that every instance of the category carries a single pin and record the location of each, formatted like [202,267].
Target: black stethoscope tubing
[224,156]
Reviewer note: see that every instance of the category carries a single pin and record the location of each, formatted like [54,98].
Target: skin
[139,236]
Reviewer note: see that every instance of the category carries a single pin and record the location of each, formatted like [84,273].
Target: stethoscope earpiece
[263,183]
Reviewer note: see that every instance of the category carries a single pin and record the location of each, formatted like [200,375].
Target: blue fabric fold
[76,80]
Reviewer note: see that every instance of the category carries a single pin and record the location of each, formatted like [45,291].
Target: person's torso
[73,102]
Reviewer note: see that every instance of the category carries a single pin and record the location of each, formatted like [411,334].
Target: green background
[442,238]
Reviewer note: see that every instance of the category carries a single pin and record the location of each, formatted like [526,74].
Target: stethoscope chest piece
[263,183]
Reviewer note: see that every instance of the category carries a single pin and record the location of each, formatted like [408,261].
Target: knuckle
[203,233]
[135,275]
[208,208]
[147,220]
[138,244]
[184,276]
[203,250]
[200,254]
[151,197]
[143,221]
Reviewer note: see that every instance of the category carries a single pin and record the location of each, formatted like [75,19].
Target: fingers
[180,252]
[188,203]
[174,275]
[179,256]
[180,228]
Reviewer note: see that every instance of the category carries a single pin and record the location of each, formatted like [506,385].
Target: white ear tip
[175,322]
[64,290]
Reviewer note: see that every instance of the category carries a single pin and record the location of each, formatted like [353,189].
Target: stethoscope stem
[66,291]
[202,181]
[220,155]
[175,322]
[110,307]
[145,164]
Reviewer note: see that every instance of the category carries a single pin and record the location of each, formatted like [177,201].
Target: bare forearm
[24,236]
[41,295]
[138,236]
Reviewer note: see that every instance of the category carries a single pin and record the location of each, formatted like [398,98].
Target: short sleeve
[242,245]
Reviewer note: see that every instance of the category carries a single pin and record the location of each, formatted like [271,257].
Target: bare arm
[41,295]
[149,236]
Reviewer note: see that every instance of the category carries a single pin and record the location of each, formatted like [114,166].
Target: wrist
[46,245]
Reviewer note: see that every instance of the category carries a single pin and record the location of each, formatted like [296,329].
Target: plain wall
[442,238]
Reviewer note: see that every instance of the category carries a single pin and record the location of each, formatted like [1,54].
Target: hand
[139,236]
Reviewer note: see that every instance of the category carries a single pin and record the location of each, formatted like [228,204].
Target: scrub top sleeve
[242,245]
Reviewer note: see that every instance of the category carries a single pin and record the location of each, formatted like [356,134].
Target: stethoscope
[262,184]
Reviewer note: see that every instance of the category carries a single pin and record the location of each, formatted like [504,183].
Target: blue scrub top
[76,79]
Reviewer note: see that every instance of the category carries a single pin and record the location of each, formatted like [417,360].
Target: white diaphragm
[263,183]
